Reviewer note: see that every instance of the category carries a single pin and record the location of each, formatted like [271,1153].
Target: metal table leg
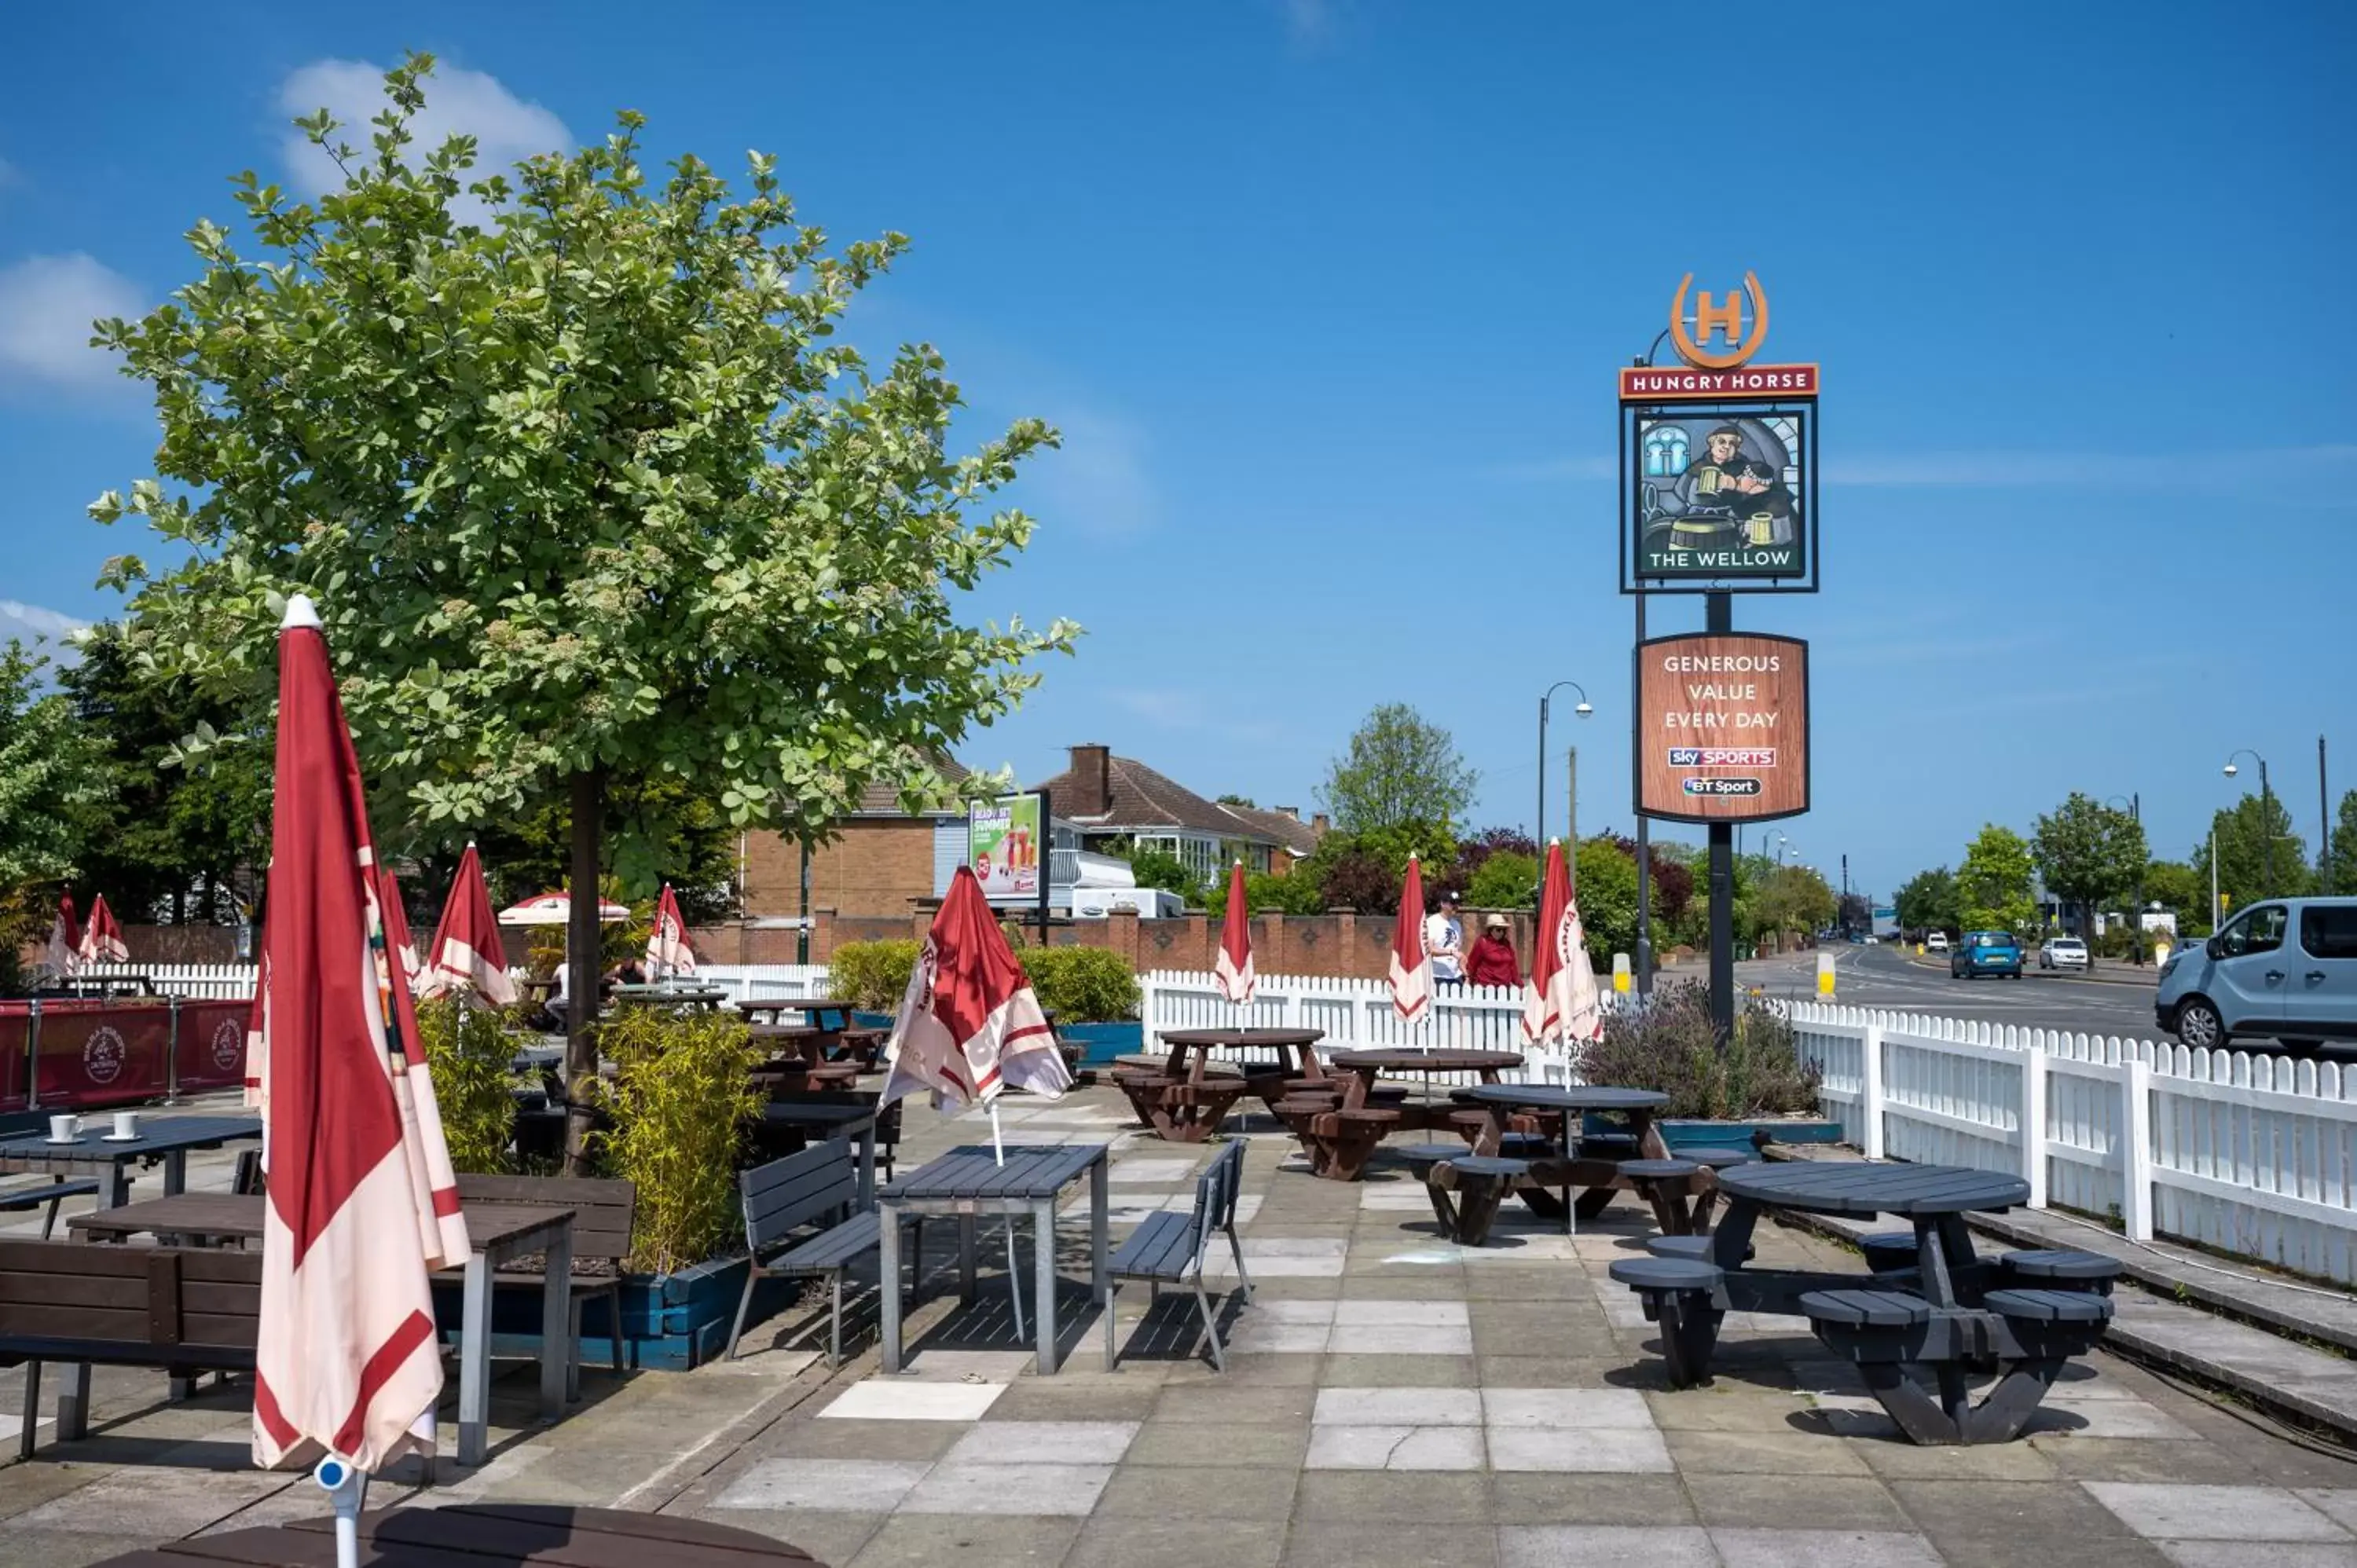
[888,1282]
[557,1346]
[1100,1223]
[1043,1250]
[475,1363]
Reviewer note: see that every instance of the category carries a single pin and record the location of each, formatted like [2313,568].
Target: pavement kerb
[667,1484]
[2170,1294]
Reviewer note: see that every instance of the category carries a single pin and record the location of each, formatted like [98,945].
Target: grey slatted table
[971,1181]
[1934,1198]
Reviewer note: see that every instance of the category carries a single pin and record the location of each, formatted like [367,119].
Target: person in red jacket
[1493,961]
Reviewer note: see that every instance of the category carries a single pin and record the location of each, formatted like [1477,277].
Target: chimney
[1293,812]
[1317,825]
[1092,783]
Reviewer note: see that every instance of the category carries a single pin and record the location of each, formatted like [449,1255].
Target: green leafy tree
[2089,854]
[586,495]
[180,836]
[1993,887]
[1161,868]
[1926,901]
[681,836]
[1607,893]
[1792,898]
[1508,879]
[2182,890]
[2342,866]
[1265,894]
[1399,770]
[53,778]
[2246,869]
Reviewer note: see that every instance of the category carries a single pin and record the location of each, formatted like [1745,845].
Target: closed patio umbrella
[1411,966]
[667,949]
[1560,1000]
[63,954]
[397,939]
[102,939]
[467,954]
[1233,969]
[361,1201]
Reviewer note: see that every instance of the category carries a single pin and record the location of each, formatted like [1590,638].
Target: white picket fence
[2242,1151]
[209,982]
[1356,1014]
[746,981]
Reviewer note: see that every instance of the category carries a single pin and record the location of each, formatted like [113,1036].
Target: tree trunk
[581,951]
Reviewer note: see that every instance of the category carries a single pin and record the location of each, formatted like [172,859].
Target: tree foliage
[1507,879]
[584,491]
[2089,852]
[53,778]
[1399,769]
[1928,901]
[1791,898]
[1993,887]
[2246,872]
[1294,893]
[2182,890]
[1607,893]
[1161,868]
[2343,867]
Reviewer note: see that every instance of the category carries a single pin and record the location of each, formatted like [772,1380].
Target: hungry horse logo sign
[229,1045]
[1723,320]
[102,1056]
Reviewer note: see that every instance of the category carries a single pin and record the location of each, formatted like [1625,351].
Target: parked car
[2063,953]
[1937,941]
[2285,968]
[1986,952]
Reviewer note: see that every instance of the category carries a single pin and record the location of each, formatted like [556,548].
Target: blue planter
[669,1322]
[1750,1135]
[1101,1043]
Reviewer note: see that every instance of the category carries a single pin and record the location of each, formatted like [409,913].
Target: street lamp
[1583,710]
[2267,812]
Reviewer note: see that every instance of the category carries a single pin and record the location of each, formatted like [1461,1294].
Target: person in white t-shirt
[1444,940]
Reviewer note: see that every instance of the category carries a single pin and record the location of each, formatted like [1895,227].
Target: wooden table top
[1563,1097]
[1874,1186]
[1426,1061]
[484,1535]
[1240,1036]
[794,1004]
[238,1217]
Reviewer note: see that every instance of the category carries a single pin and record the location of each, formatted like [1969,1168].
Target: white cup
[64,1129]
[126,1123]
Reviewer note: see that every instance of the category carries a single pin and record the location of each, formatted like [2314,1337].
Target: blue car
[1986,952]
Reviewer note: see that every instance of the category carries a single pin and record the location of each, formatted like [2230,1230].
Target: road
[1883,977]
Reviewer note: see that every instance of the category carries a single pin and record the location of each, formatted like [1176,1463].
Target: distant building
[1118,799]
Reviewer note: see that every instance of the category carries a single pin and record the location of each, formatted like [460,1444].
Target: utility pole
[2324,821]
[1571,817]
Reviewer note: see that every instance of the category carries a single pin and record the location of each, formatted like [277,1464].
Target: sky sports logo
[1722,757]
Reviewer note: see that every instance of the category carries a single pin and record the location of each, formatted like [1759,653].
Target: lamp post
[1583,710]
[2266,814]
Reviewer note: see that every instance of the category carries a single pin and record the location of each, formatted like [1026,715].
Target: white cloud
[26,622]
[507,129]
[46,304]
[2112,470]
[1097,481]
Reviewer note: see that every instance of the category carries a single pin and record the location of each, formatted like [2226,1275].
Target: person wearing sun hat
[1493,961]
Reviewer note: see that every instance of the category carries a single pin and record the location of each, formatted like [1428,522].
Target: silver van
[2283,968]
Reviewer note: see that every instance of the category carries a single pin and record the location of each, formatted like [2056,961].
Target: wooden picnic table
[1340,1125]
[706,998]
[482,1535]
[773,1007]
[498,1232]
[1359,1069]
[974,1180]
[1186,1102]
[1598,1176]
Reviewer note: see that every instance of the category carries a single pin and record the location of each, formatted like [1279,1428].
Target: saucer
[120,1137]
[75,1139]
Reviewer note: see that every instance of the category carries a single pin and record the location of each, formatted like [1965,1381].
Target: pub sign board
[1722,727]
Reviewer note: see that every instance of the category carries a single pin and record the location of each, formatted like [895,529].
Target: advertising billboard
[1007,845]
[1720,497]
[1722,727]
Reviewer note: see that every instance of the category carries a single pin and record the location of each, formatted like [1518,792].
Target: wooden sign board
[1723,727]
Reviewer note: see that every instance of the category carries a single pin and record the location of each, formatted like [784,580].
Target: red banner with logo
[212,1049]
[14,1021]
[101,1053]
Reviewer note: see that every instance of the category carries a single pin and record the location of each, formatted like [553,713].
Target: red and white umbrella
[397,939]
[970,1027]
[1234,970]
[667,948]
[1560,1000]
[557,909]
[363,1204]
[102,939]
[64,955]
[1411,971]
[467,954]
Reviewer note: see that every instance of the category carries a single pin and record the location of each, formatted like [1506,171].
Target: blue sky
[1328,298]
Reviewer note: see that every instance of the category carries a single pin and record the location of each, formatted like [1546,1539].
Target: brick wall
[874,866]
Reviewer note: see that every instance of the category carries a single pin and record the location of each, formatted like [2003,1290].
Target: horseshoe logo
[1723,320]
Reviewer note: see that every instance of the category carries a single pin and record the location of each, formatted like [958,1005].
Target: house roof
[883,800]
[1289,831]
[1143,799]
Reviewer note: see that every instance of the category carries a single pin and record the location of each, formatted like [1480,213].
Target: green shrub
[1296,894]
[1671,1047]
[872,976]
[1508,880]
[1082,985]
[683,1091]
[466,1053]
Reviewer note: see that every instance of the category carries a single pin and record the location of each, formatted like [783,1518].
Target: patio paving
[1391,1399]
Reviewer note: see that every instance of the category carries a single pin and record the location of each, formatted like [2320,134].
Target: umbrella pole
[1014,1275]
[347,1488]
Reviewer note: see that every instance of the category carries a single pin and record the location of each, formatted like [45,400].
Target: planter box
[1100,1043]
[1750,1135]
[669,1322]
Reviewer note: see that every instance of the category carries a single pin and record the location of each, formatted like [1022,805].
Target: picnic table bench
[1341,1122]
[1190,1094]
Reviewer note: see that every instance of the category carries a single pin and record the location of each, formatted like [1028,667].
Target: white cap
[300,612]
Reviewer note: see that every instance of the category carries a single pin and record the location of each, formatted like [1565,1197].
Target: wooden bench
[180,1310]
[1168,1249]
[818,1186]
[1681,1296]
[603,1212]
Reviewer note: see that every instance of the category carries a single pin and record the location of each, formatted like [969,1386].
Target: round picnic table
[1293,1049]
[1185,1104]
[808,1006]
[1340,1140]
[1362,1068]
[1551,1181]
